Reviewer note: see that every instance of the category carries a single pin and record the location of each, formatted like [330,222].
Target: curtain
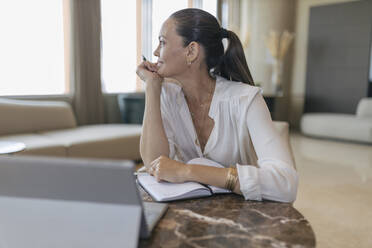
[233,15]
[85,60]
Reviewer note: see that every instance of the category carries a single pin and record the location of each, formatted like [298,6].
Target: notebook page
[208,162]
[165,191]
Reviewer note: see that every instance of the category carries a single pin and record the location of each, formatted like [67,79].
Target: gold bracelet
[234,180]
[231,178]
[228,179]
[233,184]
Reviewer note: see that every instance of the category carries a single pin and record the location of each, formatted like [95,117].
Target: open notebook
[165,191]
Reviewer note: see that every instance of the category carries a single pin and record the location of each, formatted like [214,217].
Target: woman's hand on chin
[147,71]
[166,169]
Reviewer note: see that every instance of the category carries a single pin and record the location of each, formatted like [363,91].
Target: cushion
[25,116]
[364,108]
[114,141]
[337,126]
[37,144]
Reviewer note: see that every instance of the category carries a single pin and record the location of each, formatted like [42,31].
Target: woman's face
[170,51]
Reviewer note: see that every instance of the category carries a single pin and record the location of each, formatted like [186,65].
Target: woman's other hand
[164,168]
[147,71]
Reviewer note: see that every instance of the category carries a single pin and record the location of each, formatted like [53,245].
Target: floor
[335,191]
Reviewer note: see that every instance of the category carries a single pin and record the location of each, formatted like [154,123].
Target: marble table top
[230,221]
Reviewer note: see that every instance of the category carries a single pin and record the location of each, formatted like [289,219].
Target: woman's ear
[193,50]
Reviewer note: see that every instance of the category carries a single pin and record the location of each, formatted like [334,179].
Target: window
[161,10]
[120,27]
[119,45]
[32,47]
[210,6]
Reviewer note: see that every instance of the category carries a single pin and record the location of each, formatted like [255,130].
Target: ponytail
[233,64]
[200,26]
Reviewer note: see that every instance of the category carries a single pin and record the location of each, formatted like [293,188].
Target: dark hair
[200,26]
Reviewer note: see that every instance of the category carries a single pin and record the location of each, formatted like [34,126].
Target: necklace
[199,121]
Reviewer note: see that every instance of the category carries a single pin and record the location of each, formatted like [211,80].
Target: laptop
[64,202]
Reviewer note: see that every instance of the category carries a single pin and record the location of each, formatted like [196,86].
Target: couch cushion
[364,108]
[26,116]
[337,126]
[37,144]
[114,141]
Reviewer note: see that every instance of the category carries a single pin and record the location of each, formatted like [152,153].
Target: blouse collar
[216,95]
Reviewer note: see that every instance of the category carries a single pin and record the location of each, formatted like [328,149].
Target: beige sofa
[49,128]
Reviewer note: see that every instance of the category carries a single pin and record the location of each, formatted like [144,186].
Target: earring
[188,62]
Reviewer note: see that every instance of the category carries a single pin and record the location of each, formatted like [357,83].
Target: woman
[214,111]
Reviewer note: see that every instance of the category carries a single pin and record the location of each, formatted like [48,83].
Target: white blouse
[243,135]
